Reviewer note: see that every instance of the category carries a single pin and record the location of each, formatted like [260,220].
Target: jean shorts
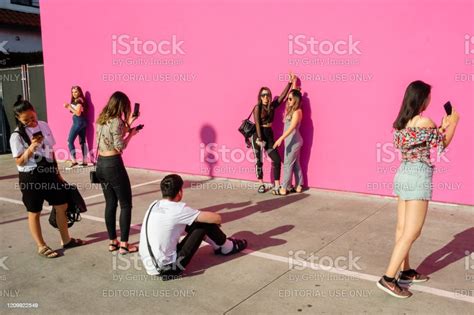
[413,181]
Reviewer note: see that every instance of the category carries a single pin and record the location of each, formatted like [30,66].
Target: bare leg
[415,214]
[62,223]
[35,228]
[399,231]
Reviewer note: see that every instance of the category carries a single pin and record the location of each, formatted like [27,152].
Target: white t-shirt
[166,224]
[18,145]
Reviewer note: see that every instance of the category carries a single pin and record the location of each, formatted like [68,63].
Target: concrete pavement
[290,238]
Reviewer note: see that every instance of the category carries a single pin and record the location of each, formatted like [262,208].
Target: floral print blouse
[415,143]
[111,135]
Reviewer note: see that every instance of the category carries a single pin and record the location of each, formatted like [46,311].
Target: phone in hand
[136,110]
[139,127]
[448,108]
[38,134]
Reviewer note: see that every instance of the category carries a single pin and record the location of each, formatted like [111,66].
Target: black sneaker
[393,289]
[412,276]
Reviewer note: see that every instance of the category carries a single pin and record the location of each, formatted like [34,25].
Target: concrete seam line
[352,228]
[363,276]
[425,289]
[257,291]
[133,186]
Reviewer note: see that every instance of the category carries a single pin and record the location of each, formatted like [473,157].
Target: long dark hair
[19,99]
[117,106]
[259,99]
[414,102]
[19,107]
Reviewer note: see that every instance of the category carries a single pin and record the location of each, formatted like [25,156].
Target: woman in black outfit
[39,179]
[263,114]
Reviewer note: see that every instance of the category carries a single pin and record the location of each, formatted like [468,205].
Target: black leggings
[267,136]
[190,244]
[116,187]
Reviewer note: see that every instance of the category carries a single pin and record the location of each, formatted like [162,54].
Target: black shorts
[39,185]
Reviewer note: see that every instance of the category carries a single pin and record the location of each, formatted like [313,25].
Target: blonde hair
[289,110]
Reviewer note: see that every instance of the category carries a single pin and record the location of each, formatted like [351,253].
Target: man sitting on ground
[164,223]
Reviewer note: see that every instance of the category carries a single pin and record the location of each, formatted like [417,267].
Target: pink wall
[229,49]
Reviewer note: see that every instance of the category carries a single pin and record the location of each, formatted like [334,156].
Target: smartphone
[136,109]
[38,134]
[448,108]
[139,127]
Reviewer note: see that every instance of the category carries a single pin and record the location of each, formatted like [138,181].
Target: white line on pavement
[363,276]
[358,275]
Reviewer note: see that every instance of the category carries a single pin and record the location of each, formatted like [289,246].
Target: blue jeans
[78,128]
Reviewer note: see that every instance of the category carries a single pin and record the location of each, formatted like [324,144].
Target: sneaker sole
[411,281]
[381,287]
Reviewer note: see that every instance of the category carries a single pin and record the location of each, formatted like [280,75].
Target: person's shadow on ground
[461,246]
[260,206]
[90,130]
[135,228]
[205,257]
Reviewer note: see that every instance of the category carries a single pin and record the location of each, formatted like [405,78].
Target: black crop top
[264,115]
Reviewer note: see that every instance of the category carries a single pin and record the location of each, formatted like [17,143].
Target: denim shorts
[413,181]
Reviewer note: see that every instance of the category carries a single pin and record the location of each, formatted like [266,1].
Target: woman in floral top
[414,136]
[114,132]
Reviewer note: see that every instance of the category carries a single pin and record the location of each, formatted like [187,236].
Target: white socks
[225,248]
[211,242]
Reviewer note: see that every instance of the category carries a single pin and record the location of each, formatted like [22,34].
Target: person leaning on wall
[263,139]
[39,179]
[113,134]
[293,143]
[78,108]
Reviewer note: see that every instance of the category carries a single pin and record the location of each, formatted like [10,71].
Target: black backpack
[76,206]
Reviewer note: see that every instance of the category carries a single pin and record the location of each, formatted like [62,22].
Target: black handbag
[247,128]
[93,177]
[76,206]
[93,174]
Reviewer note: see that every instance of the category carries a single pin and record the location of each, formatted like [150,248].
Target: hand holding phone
[38,135]
[36,140]
[136,110]
[448,108]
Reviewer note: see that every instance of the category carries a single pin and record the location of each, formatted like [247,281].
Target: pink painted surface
[231,49]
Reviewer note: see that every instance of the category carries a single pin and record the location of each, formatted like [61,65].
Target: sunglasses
[264,95]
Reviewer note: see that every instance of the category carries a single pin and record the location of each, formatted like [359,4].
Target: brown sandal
[124,250]
[113,246]
[46,252]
